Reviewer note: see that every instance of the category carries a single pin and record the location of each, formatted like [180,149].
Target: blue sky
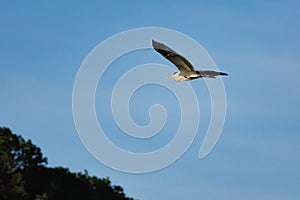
[258,155]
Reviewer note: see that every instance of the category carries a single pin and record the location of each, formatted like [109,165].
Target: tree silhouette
[15,155]
[24,175]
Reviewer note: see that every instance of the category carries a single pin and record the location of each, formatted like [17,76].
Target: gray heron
[186,69]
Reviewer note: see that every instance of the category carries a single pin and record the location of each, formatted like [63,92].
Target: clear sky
[43,44]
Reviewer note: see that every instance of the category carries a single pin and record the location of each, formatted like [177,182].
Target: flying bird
[186,69]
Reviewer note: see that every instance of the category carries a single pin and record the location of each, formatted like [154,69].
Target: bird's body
[186,69]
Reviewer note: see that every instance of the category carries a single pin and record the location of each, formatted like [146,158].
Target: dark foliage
[24,175]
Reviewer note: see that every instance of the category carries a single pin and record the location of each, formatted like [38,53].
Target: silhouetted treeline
[25,176]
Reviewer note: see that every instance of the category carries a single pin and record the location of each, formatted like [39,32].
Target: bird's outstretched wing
[179,61]
[212,74]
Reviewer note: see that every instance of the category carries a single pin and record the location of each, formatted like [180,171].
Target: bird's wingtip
[154,42]
[223,74]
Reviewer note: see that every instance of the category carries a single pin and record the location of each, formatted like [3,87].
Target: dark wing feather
[209,73]
[179,61]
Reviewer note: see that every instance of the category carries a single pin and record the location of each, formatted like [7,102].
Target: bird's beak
[170,76]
